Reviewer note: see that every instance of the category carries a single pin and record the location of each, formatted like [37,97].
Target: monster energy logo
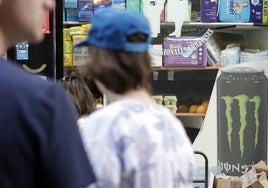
[243,101]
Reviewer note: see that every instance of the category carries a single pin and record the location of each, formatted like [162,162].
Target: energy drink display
[241,119]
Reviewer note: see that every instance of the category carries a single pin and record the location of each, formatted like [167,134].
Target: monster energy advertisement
[241,119]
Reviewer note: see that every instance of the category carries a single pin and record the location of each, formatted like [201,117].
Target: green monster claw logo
[242,103]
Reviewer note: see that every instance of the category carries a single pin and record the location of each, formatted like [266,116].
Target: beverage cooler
[46,58]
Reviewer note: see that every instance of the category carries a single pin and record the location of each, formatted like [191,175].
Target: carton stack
[75,56]
[254,178]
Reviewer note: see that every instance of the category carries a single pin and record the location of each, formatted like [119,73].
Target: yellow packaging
[265,12]
[66,35]
[85,28]
[68,60]
[77,30]
[67,47]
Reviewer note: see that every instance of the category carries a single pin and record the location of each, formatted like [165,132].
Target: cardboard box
[223,181]
[80,54]
[256,177]
[184,51]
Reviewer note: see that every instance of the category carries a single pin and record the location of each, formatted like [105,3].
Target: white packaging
[213,52]
[155,50]
[252,54]
[230,55]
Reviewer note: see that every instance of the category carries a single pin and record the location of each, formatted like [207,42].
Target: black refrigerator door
[45,58]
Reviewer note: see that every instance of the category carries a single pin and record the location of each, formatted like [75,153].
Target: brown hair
[121,71]
[80,93]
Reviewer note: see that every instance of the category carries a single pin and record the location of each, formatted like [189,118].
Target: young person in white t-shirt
[132,142]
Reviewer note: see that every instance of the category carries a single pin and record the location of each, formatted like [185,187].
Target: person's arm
[66,164]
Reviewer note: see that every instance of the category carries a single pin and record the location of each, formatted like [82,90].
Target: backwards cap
[111,27]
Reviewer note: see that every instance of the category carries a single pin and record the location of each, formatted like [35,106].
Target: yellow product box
[67,47]
[265,12]
[85,28]
[66,34]
[68,60]
[77,30]
[80,56]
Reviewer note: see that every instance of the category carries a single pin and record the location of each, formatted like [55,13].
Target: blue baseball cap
[111,27]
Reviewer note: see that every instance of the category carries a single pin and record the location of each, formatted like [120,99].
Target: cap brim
[81,44]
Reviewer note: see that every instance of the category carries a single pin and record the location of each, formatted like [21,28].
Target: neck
[3,43]
[141,95]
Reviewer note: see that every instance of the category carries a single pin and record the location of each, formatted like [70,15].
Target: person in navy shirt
[40,144]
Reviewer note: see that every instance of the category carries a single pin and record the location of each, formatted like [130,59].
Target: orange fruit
[201,109]
[205,103]
[183,108]
[193,108]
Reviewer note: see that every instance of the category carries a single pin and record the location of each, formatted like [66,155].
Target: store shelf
[185,68]
[70,24]
[209,25]
[188,24]
[215,25]
[190,114]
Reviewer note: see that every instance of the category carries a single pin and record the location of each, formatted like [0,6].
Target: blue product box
[234,11]
[256,11]
[85,10]
[71,14]
[70,3]
[85,16]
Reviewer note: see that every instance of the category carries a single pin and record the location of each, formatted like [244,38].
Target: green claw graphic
[228,102]
[257,100]
[242,102]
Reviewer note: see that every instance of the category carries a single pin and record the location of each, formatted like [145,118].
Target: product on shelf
[185,51]
[74,56]
[158,99]
[183,108]
[234,11]
[209,10]
[230,55]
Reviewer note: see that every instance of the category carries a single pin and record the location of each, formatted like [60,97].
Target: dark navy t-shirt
[40,144]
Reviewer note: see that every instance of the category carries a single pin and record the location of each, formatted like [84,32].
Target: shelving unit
[190,114]
[184,68]
[233,31]
[201,78]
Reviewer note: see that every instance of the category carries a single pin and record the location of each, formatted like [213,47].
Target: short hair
[80,93]
[121,71]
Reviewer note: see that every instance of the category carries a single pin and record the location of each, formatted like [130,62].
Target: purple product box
[255,11]
[209,10]
[184,51]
